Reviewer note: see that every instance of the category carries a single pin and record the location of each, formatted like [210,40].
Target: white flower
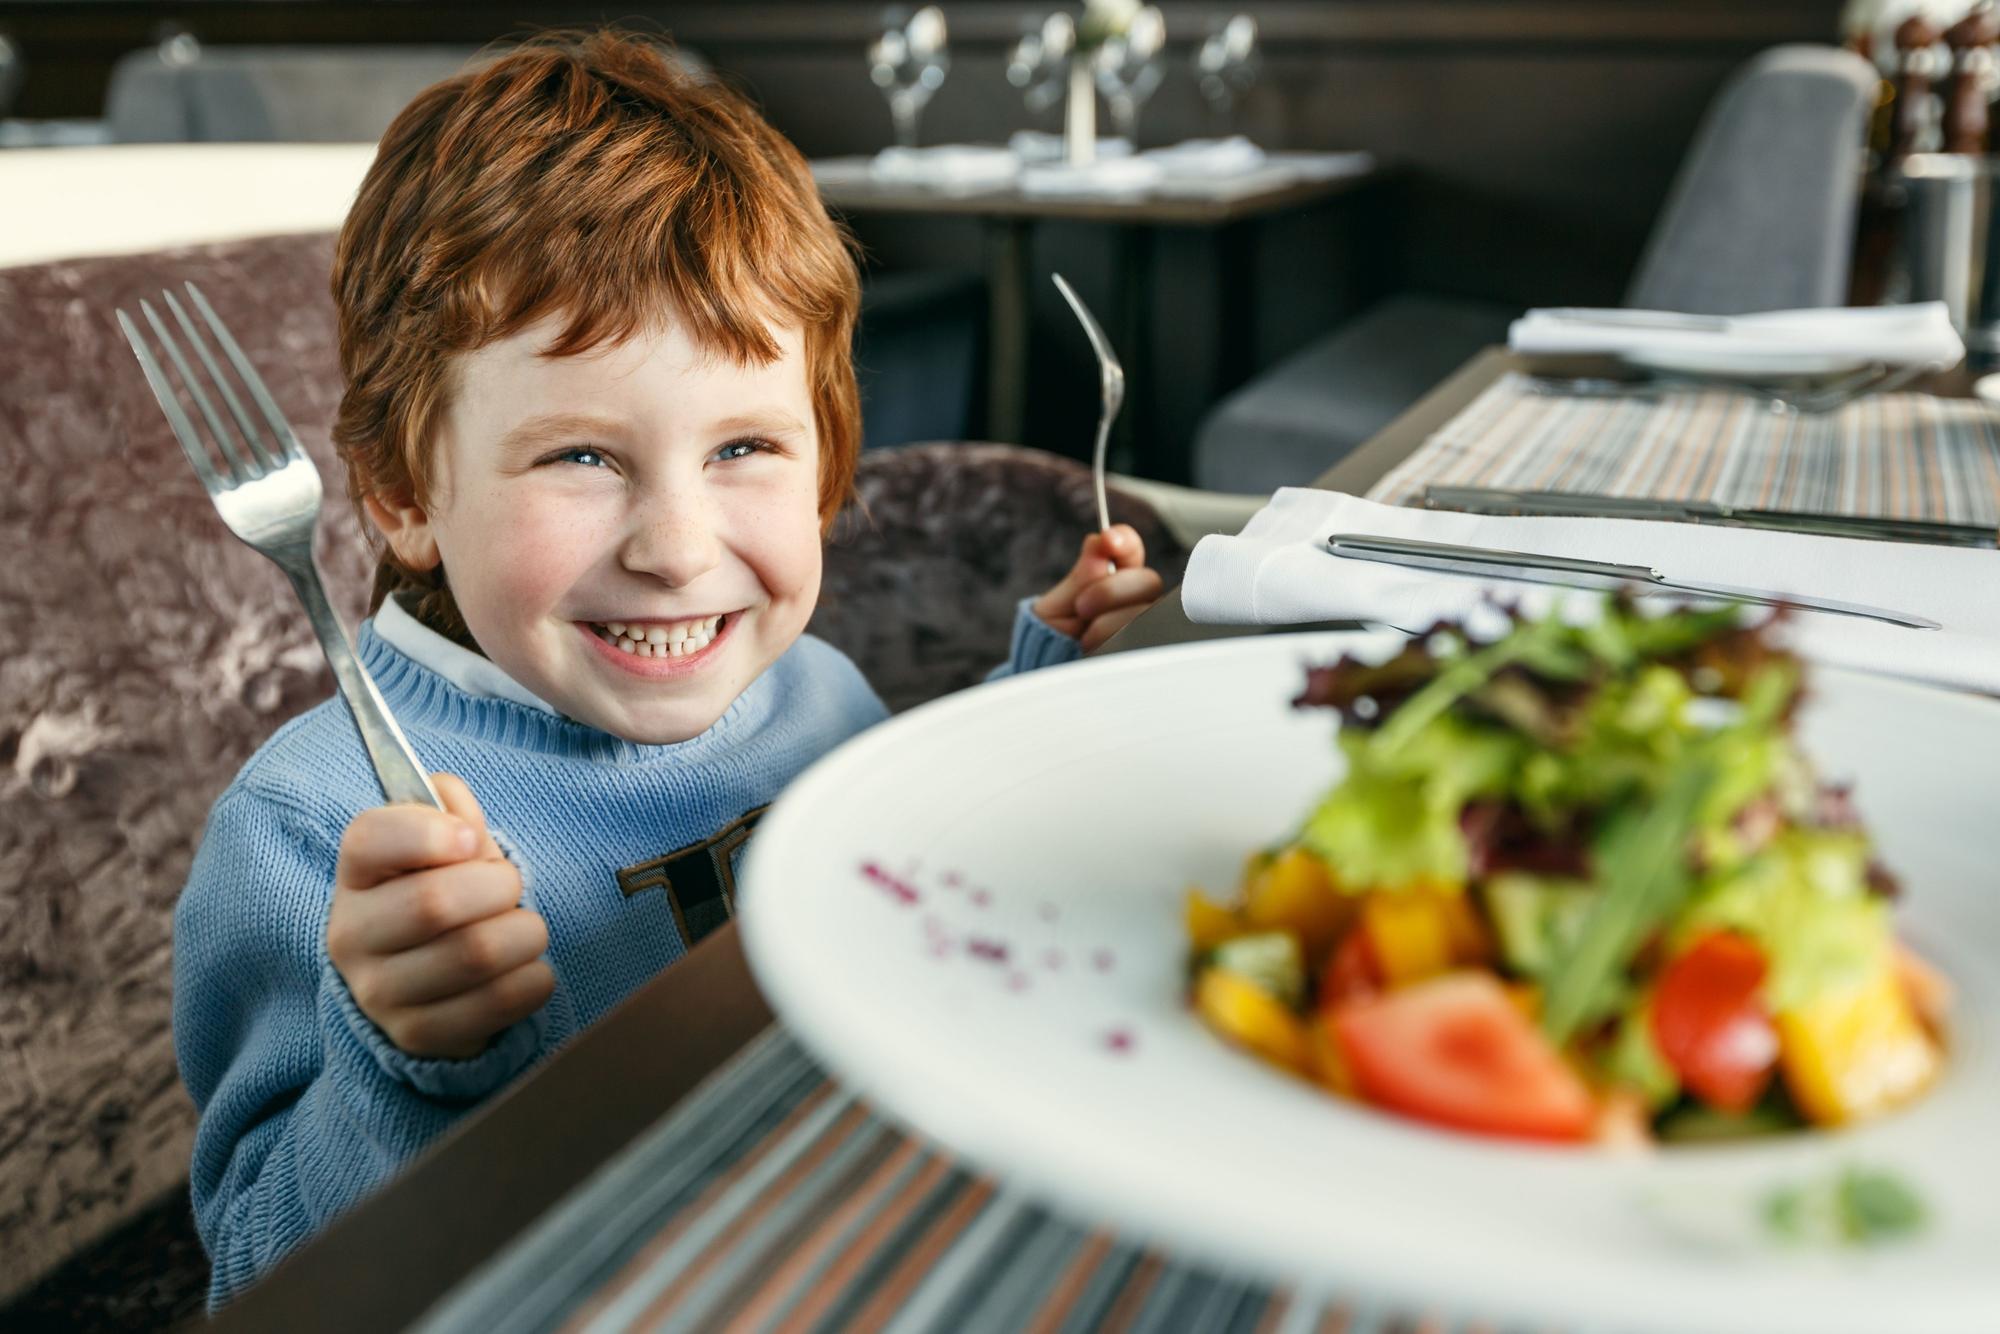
[1103,20]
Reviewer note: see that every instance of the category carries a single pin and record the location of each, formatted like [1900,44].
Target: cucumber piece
[1270,961]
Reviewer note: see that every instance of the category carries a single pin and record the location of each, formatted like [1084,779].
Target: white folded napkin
[1278,572]
[1110,177]
[1207,157]
[1041,146]
[1325,166]
[946,165]
[1898,335]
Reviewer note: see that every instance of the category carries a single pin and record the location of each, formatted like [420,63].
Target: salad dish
[974,917]
[1576,883]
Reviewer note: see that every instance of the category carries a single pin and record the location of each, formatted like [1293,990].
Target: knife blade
[1500,500]
[1570,571]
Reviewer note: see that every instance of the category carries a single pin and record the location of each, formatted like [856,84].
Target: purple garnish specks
[1102,961]
[1119,1040]
[899,889]
[1052,958]
[992,951]
[980,898]
[1017,981]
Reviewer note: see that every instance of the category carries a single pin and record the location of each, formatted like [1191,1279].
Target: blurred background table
[1008,216]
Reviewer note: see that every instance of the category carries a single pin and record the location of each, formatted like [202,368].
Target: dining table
[683,1164]
[1008,216]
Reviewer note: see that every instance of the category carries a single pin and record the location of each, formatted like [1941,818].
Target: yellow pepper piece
[1209,923]
[1294,892]
[1525,997]
[1329,1066]
[1251,1017]
[1410,933]
[1856,1052]
[1471,943]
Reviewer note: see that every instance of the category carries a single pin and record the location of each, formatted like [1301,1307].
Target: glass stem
[1080,116]
[904,112]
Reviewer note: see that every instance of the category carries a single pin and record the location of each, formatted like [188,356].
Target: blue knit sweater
[624,849]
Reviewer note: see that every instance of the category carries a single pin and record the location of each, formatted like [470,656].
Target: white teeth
[662,641]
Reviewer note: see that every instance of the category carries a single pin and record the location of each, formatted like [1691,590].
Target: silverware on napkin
[1643,580]
[1500,500]
[1111,380]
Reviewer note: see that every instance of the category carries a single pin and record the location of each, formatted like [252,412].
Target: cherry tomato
[1456,1051]
[1710,1023]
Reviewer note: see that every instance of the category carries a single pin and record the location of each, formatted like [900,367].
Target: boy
[595,330]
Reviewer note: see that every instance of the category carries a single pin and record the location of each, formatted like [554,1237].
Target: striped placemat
[772,1199]
[1901,456]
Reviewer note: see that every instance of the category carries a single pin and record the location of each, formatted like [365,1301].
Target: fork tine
[163,393]
[262,458]
[237,471]
[265,403]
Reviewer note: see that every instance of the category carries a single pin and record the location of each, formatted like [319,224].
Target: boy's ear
[406,526]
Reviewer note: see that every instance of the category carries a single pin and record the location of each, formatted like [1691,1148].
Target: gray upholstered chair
[1760,217]
[10,72]
[179,92]
[339,94]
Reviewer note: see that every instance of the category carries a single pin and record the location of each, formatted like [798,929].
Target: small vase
[1080,114]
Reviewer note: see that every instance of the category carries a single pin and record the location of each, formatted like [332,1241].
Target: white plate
[972,914]
[1741,364]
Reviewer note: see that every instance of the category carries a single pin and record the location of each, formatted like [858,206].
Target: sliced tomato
[1710,1023]
[1352,972]
[1456,1051]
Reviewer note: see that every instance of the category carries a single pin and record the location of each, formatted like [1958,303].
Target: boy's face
[633,533]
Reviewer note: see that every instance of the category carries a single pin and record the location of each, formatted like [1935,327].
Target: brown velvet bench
[144,654]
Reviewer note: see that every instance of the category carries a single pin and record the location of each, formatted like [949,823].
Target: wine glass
[908,63]
[1128,69]
[1225,64]
[1039,63]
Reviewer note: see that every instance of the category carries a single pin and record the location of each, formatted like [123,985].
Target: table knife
[1569,571]
[1500,500]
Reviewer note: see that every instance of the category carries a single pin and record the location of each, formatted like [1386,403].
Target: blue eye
[742,449]
[582,455]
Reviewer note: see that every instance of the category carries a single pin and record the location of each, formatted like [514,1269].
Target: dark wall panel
[1535,139]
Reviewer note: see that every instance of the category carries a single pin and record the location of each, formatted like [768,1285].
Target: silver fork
[268,493]
[1111,378]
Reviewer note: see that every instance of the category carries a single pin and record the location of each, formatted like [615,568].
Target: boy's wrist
[446,1079]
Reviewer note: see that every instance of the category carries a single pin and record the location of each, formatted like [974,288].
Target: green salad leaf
[1394,820]
[1643,874]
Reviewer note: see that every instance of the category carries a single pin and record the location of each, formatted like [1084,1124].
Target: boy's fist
[1104,591]
[427,931]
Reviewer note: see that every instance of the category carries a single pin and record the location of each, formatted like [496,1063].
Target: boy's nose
[675,542]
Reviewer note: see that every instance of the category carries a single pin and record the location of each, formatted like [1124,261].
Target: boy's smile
[631,533]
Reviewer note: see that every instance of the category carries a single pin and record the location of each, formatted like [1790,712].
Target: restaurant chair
[10,72]
[1760,217]
[919,354]
[182,92]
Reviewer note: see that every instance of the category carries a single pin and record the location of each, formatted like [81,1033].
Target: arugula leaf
[1642,867]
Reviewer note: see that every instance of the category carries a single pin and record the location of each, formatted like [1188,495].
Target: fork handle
[403,777]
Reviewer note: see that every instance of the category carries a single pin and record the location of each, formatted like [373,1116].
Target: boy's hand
[426,929]
[1104,591]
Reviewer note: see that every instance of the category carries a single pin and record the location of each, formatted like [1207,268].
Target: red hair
[594,179]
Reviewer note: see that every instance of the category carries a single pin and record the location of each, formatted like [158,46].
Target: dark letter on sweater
[699,879]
